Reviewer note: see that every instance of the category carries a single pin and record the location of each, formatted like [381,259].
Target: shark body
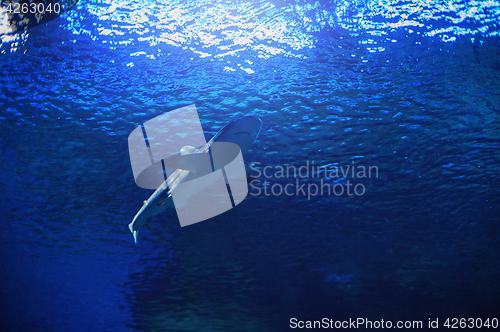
[242,132]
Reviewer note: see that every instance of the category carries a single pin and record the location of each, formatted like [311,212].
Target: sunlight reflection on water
[217,30]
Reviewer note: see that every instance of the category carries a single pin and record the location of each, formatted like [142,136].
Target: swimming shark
[190,163]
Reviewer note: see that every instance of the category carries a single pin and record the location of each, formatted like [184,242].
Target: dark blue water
[411,88]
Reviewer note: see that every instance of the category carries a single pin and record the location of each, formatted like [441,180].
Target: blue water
[409,87]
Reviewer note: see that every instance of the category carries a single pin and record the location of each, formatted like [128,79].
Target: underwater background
[411,87]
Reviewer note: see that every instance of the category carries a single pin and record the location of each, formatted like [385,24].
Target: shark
[190,163]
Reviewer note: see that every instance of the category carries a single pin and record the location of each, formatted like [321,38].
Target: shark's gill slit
[228,186]
[147,144]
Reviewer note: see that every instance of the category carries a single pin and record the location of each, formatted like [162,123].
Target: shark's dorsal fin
[145,201]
